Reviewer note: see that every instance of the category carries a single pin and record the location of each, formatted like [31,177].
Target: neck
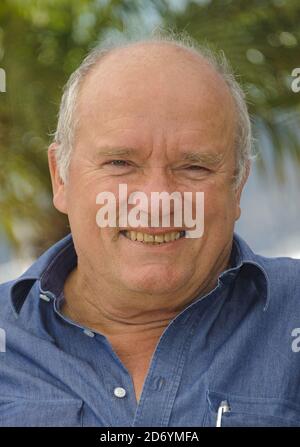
[98,305]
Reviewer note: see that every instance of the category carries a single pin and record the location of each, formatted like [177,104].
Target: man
[124,326]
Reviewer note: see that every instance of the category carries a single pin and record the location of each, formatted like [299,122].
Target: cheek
[219,206]
[82,209]
[84,186]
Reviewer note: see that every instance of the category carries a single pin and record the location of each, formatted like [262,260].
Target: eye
[196,168]
[119,167]
[120,163]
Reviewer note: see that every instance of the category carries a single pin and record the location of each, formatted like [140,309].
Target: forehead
[155,83]
[142,69]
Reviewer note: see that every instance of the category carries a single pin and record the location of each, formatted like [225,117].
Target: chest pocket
[40,413]
[226,410]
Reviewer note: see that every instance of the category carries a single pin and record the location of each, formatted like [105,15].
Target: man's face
[161,104]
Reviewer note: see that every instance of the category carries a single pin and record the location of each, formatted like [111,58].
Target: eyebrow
[194,156]
[203,157]
[115,151]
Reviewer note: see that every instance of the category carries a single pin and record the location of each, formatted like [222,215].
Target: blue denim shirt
[227,359]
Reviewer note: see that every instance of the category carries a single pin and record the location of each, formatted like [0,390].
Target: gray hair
[65,132]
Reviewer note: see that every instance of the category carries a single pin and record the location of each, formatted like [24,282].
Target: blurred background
[43,41]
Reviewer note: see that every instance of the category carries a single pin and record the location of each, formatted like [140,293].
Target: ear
[239,192]
[58,186]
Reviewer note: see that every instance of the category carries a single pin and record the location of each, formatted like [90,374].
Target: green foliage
[43,41]
[261,39]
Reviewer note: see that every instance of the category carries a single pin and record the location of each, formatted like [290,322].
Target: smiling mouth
[153,239]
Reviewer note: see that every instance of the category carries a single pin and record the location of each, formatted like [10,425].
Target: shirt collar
[252,266]
[61,258]
[40,269]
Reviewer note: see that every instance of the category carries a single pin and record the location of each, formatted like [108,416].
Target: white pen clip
[223,408]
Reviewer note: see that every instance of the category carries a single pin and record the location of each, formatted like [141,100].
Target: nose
[159,180]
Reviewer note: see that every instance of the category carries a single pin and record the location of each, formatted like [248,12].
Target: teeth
[148,237]
[132,235]
[167,237]
[153,239]
[159,238]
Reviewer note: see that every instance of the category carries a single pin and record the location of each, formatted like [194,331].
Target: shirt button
[88,333]
[44,297]
[119,392]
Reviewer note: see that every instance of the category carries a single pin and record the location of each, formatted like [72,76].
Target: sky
[270,219]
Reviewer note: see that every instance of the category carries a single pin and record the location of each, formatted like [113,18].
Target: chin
[156,281]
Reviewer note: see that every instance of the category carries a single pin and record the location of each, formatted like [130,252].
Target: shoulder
[5,307]
[283,279]
[282,271]
[15,291]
